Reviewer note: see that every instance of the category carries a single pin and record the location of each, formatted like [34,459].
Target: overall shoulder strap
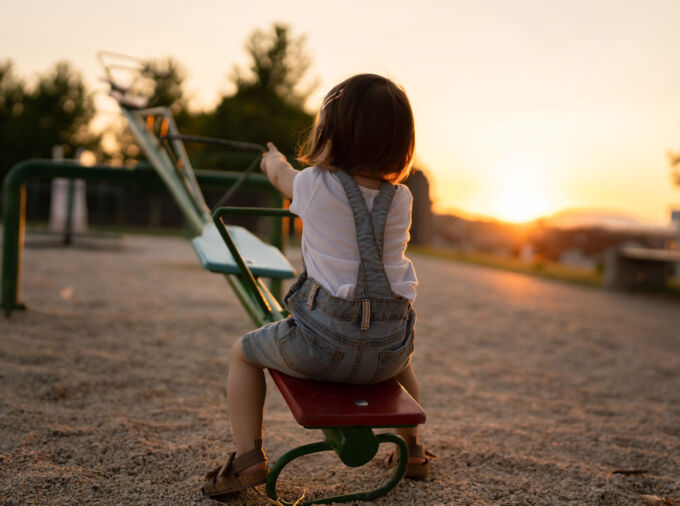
[372,282]
[381,207]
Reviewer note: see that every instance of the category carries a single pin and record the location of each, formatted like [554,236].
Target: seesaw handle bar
[269,311]
[248,146]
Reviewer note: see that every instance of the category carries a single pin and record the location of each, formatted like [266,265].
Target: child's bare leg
[407,379]
[246,389]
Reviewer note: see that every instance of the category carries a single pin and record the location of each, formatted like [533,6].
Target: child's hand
[278,170]
[270,158]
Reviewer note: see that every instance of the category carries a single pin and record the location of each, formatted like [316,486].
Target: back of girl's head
[365,127]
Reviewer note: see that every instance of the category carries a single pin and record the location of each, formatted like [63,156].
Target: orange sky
[522,108]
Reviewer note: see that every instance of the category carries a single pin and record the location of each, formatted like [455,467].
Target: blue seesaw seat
[263,259]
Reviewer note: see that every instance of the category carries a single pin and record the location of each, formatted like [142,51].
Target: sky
[522,108]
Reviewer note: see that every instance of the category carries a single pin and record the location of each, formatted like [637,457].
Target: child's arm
[278,170]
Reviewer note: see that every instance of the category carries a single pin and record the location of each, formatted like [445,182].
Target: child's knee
[236,352]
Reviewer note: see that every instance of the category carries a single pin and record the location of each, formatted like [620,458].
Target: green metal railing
[14,204]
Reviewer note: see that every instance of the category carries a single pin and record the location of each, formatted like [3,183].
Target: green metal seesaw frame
[156,132]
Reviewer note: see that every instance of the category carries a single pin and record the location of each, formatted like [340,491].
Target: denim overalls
[362,340]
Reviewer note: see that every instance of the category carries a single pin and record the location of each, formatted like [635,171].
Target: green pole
[270,309]
[14,212]
[68,226]
[276,238]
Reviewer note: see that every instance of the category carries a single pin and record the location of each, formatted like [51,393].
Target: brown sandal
[418,471]
[227,479]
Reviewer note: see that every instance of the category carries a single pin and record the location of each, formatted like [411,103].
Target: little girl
[352,318]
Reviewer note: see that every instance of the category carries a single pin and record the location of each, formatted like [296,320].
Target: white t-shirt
[329,245]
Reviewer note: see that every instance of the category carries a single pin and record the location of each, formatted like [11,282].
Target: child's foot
[418,467]
[255,467]
[237,474]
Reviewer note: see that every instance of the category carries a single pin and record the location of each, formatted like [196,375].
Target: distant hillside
[606,219]
[583,233]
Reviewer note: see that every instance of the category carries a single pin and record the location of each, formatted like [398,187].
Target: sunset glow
[519,193]
[521,109]
[520,205]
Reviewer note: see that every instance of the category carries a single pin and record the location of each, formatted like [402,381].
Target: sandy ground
[112,386]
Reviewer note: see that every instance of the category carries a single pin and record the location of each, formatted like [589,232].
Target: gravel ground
[112,386]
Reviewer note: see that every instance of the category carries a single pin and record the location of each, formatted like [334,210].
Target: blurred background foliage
[268,104]
[55,111]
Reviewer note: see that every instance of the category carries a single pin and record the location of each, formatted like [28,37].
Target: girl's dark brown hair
[365,127]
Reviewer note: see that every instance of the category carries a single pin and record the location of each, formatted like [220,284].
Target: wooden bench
[347,415]
[637,268]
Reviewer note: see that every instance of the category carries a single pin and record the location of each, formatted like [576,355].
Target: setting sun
[519,194]
[518,205]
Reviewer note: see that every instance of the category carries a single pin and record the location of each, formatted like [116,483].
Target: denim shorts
[294,348]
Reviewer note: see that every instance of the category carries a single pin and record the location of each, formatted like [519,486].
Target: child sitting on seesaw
[352,317]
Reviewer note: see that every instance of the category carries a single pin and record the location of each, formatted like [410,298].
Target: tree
[269,103]
[56,112]
[11,108]
[674,161]
[278,67]
[11,93]
[422,216]
[165,82]
[162,83]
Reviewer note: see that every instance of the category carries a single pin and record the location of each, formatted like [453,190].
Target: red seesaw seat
[317,404]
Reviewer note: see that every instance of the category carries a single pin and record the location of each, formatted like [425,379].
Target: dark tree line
[268,104]
[56,111]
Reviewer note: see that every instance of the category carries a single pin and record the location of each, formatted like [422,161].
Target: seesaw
[347,414]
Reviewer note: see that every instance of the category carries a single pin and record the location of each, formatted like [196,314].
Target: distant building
[421,226]
[574,257]
[675,220]
[527,253]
